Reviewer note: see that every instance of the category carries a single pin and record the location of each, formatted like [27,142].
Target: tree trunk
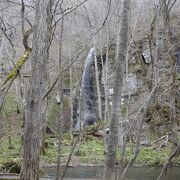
[158,61]
[106,86]
[61,104]
[71,97]
[35,107]
[118,82]
[97,82]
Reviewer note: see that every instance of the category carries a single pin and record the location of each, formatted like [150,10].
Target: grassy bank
[89,151]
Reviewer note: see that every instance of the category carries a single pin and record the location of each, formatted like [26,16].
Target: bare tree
[118,82]
[61,95]
[35,107]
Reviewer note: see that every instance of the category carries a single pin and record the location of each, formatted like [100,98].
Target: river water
[95,173]
[135,173]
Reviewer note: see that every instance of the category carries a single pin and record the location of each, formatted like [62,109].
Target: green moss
[19,65]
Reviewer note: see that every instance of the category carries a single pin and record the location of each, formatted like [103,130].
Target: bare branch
[69,10]
[25,40]
[22,16]
[143,110]
[172,6]
[16,3]
[9,39]
[174,153]
[77,56]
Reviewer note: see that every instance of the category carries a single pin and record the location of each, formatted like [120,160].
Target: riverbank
[90,152]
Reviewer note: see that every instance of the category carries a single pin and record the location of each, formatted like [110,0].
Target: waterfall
[88,92]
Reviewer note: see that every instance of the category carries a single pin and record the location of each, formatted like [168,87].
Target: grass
[8,155]
[152,157]
[90,151]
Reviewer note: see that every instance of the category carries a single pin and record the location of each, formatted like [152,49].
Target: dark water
[138,173]
[134,173]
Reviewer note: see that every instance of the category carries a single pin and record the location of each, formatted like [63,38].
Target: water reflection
[138,173]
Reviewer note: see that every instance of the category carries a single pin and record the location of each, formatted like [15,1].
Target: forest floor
[89,152]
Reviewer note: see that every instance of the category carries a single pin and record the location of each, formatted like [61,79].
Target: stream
[95,172]
[138,173]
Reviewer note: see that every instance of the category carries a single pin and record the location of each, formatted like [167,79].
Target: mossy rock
[11,167]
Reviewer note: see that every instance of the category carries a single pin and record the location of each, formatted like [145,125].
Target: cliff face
[139,80]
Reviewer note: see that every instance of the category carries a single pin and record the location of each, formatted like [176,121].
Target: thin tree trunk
[97,82]
[106,86]
[160,26]
[71,98]
[118,83]
[61,104]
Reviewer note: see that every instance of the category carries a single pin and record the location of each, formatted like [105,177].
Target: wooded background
[43,50]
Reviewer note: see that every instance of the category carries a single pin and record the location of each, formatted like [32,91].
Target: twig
[69,158]
[172,6]
[16,3]
[137,148]
[174,153]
